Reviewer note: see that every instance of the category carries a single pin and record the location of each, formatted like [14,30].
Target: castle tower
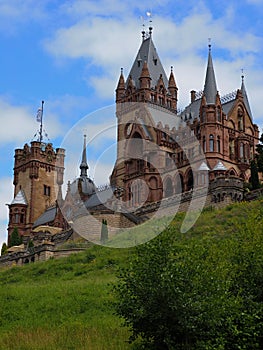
[38,177]
[145,100]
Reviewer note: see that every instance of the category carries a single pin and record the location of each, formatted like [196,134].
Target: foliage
[254,175]
[197,291]
[259,156]
[4,249]
[104,236]
[15,238]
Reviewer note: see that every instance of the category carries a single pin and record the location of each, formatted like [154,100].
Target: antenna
[41,123]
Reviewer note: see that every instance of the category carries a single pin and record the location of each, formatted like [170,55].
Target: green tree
[196,293]
[259,155]
[254,175]
[15,238]
[4,249]
[104,235]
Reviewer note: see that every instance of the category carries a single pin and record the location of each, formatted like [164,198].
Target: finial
[149,14]
[172,69]
[121,70]
[209,44]
[242,76]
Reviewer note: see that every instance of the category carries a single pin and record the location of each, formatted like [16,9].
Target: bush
[196,293]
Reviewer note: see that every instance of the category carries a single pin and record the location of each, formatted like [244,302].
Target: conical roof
[219,167]
[20,198]
[148,53]
[204,167]
[245,98]
[210,88]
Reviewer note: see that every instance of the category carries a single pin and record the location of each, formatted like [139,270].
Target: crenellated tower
[38,177]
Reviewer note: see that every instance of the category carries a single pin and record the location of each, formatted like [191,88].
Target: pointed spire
[145,71]
[145,78]
[210,88]
[172,83]
[121,83]
[244,94]
[84,166]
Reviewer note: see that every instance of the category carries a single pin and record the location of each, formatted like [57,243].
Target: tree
[104,232]
[4,249]
[196,293]
[15,238]
[259,155]
[254,175]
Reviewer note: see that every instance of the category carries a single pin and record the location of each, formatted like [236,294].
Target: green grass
[67,303]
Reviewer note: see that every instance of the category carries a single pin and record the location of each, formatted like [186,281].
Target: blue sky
[69,54]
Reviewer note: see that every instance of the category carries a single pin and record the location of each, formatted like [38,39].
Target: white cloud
[19,123]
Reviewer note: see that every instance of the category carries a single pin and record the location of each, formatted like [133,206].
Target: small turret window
[211,143]
[218,144]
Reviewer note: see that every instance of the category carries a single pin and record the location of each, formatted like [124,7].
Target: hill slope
[67,303]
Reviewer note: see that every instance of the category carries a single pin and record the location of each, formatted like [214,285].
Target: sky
[70,53]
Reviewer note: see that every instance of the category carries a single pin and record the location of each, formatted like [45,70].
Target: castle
[162,155]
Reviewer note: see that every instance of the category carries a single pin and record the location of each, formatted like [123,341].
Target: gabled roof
[147,52]
[210,88]
[20,198]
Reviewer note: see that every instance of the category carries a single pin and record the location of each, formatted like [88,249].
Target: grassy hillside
[67,303]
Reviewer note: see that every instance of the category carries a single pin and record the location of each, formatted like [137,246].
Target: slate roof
[100,197]
[48,216]
[147,52]
[210,88]
[20,198]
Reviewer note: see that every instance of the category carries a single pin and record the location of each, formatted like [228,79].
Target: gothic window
[211,143]
[16,218]
[21,218]
[204,144]
[240,115]
[218,144]
[203,116]
[241,151]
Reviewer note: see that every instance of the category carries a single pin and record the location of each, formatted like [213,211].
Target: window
[204,144]
[218,144]
[211,143]
[47,190]
[241,150]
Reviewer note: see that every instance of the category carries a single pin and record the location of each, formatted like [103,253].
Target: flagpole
[41,124]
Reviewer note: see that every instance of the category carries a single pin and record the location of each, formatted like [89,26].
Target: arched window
[190,181]
[241,150]
[168,188]
[240,115]
[211,143]
[218,144]
[204,144]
